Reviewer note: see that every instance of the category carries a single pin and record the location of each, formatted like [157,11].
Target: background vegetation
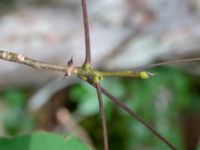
[169,101]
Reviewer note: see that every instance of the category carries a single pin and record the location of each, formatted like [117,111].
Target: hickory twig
[85,72]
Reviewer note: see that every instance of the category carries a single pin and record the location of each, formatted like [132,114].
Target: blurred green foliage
[160,100]
[163,101]
[42,141]
[16,119]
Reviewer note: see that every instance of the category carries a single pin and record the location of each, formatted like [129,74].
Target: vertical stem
[103,118]
[87,33]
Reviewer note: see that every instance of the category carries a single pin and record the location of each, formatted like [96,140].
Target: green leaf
[42,141]
[15,97]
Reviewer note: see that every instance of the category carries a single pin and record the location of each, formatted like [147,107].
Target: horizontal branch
[84,72]
[18,58]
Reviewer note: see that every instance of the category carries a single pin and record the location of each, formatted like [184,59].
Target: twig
[18,58]
[103,117]
[87,33]
[69,69]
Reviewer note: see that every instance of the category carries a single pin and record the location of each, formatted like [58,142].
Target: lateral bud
[69,68]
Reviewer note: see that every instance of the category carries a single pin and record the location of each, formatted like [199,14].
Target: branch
[103,118]
[18,58]
[85,72]
[87,33]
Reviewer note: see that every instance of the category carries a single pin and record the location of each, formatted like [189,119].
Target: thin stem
[18,58]
[87,33]
[103,117]
[168,63]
